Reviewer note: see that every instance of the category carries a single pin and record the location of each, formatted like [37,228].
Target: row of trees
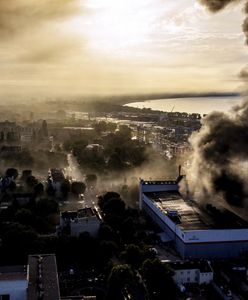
[119,150]
[153,280]
[30,184]
[139,271]
[40,160]
[121,239]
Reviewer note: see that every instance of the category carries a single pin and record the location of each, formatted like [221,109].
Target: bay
[202,105]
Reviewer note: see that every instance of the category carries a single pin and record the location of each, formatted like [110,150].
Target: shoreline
[197,104]
[149,97]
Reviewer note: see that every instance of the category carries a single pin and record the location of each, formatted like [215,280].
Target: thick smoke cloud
[220,153]
[245,23]
[34,25]
[220,149]
[20,15]
[216,5]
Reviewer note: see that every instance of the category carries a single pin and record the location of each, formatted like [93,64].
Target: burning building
[196,231]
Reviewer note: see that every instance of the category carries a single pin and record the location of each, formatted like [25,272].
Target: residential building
[76,222]
[13,283]
[185,272]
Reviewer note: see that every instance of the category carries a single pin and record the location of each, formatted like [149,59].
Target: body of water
[202,105]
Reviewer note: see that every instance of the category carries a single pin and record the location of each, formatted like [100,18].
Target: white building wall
[210,243]
[206,278]
[163,187]
[17,289]
[199,236]
[90,225]
[186,276]
[215,235]
[192,276]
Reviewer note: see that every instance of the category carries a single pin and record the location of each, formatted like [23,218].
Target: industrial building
[195,231]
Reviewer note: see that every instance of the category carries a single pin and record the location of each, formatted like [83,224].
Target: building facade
[76,222]
[187,272]
[13,283]
[194,232]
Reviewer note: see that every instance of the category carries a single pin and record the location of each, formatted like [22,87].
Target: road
[73,169]
[89,199]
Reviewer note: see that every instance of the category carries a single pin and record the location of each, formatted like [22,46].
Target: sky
[77,47]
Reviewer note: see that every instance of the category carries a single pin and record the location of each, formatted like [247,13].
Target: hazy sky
[118,46]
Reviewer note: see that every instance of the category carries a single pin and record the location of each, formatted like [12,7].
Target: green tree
[12,173]
[25,217]
[112,204]
[158,279]
[120,278]
[46,207]
[78,187]
[31,182]
[133,255]
[65,188]
[107,249]
[111,126]
[39,189]
[100,126]
[105,233]
[106,197]
[115,162]
[91,179]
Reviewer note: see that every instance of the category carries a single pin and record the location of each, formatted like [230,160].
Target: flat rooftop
[190,216]
[43,280]
[81,213]
[202,265]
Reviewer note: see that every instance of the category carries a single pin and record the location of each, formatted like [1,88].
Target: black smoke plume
[217,5]
[220,157]
[220,150]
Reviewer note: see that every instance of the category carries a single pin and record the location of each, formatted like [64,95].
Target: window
[4,297]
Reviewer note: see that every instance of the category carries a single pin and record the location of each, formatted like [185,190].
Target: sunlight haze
[118,47]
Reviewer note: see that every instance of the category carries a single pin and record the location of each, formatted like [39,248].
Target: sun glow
[115,24]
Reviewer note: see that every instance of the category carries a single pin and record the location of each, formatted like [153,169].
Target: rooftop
[155,182]
[43,279]
[81,213]
[79,298]
[190,216]
[202,265]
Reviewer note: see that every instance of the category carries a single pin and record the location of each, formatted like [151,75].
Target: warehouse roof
[188,215]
